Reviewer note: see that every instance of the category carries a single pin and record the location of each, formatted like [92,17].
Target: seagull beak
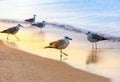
[21,26]
[70,38]
[87,33]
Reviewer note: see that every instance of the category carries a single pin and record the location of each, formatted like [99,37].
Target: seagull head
[66,37]
[34,15]
[88,33]
[43,21]
[19,25]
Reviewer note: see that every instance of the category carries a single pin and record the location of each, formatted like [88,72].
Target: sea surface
[95,15]
[102,16]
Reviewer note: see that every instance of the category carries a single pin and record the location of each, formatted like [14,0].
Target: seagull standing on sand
[40,24]
[60,44]
[12,30]
[31,20]
[94,38]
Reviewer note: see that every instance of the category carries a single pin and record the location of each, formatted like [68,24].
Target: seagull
[60,45]
[13,30]
[31,20]
[40,24]
[94,38]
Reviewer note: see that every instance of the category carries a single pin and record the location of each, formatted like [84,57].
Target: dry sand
[19,66]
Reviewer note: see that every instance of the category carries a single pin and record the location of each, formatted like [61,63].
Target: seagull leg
[60,55]
[92,45]
[17,37]
[7,37]
[95,45]
[41,29]
[64,54]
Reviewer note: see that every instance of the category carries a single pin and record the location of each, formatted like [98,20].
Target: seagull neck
[67,40]
[43,23]
[17,26]
[90,34]
[34,17]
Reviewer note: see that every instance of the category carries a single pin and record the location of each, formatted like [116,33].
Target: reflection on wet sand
[40,35]
[93,57]
[12,43]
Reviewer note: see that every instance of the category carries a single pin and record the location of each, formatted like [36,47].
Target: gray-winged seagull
[31,20]
[60,44]
[40,24]
[13,30]
[93,37]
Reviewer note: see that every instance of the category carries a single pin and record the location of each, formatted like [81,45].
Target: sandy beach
[20,66]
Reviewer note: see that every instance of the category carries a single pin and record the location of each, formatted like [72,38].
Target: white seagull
[94,38]
[31,20]
[13,30]
[60,44]
[40,24]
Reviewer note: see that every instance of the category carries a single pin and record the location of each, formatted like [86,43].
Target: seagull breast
[92,38]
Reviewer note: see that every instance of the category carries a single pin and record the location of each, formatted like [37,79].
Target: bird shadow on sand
[39,35]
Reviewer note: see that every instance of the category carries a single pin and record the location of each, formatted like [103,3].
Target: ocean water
[95,15]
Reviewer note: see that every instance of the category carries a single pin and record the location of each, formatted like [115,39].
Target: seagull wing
[99,37]
[34,24]
[29,19]
[9,30]
[39,24]
[57,44]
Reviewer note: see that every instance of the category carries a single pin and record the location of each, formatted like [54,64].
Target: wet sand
[20,66]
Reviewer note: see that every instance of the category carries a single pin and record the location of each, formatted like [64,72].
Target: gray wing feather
[57,44]
[98,37]
[9,30]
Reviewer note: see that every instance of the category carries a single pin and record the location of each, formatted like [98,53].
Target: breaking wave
[66,27]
